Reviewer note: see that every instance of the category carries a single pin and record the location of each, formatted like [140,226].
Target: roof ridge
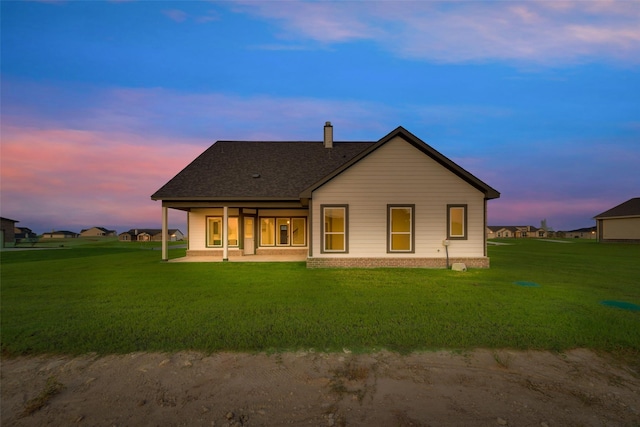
[290,142]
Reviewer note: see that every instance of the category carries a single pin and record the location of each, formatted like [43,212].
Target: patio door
[249,235]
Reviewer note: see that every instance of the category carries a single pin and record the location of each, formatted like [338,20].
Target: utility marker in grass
[621,304]
[526,284]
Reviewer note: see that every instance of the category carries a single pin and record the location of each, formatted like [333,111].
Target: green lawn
[111,297]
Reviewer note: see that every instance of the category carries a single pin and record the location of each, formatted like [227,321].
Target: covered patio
[242,258]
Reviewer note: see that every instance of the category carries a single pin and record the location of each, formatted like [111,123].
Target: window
[334,228]
[457,222]
[214,232]
[400,226]
[298,232]
[267,231]
[283,232]
[232,231]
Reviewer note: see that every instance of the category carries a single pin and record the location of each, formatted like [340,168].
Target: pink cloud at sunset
[543,32]
[69,178]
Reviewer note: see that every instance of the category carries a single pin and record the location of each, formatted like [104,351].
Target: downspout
[310,229]
[484,229]
[225,230]
[446,243]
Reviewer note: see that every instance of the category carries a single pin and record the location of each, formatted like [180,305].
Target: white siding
[398,173]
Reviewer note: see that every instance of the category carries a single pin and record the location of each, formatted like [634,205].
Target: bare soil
[479,388]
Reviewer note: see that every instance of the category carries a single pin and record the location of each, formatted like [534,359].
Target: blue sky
[103,102]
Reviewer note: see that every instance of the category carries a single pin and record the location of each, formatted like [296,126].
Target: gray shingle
[629,208]
[226,170]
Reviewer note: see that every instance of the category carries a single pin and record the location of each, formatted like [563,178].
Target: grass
[112,297]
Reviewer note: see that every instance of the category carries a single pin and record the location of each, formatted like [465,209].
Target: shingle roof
[513,228]
[235,170]
[582,230]
[151,231]
[249,170]
[629,208]
[99,228]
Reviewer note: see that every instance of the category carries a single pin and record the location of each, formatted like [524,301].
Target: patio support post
[165,233]
[225,230]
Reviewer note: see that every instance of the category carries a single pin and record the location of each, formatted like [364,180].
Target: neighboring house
[7,231]
[62,234]
[388,203]
[126,236]
[150,235]
[97,231]
[24,233]
[581,233]
[515,231]
[499,231]
[529,231]
[620,223]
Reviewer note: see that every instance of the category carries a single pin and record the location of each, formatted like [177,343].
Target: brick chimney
[328,135]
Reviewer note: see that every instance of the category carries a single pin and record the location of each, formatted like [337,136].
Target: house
[620,223]
[24,233]
[499,231]
[515,231]
[7,231]
[97,232]
[396,202]
[581,233]
[62,234]
[150,235]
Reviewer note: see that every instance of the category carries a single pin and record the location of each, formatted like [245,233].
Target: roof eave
[616,216]
[225,199]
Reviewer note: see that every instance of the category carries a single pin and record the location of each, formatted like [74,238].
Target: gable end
[401,132]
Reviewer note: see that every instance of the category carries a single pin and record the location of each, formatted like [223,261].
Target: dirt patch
[483,387]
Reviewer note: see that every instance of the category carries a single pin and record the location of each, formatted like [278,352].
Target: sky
[103,102]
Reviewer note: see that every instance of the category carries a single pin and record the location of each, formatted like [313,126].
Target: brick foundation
[482,262]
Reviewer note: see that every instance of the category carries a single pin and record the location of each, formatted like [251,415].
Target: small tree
[548,230]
